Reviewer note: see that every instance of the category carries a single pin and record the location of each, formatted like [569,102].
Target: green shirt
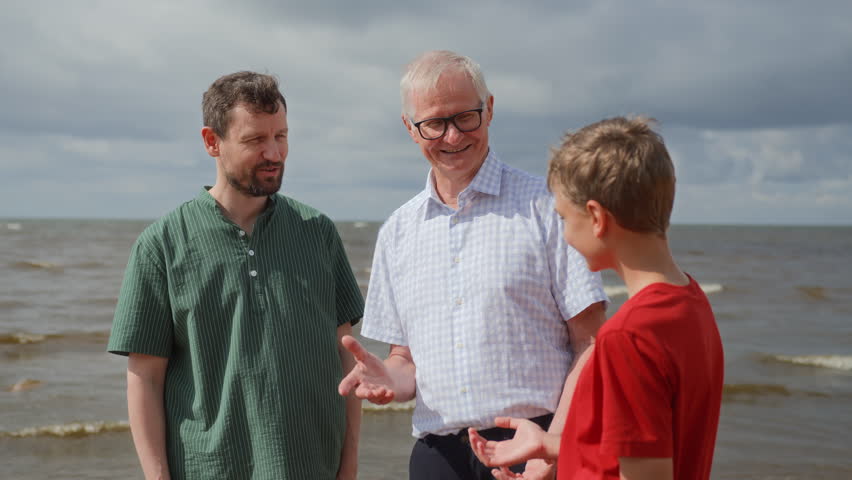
[249,324]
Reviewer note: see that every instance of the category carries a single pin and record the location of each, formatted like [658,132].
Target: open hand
[369,378]
[526,444]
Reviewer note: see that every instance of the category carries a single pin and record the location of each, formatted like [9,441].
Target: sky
[101,111]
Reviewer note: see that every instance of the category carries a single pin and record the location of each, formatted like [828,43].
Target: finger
[477,444]
[481,448]
[375,394]
[355,348]
[503,473]
[350,381]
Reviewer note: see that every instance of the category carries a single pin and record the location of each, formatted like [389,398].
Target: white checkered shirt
[479,295]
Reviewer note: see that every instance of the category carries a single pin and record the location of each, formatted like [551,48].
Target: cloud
[750,96]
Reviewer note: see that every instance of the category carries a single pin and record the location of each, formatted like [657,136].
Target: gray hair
[423,72]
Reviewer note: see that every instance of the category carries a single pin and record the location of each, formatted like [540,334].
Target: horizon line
[5,219]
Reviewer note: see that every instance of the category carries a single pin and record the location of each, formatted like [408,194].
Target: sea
[782,298]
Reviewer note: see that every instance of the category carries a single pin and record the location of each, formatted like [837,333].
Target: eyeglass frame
[447,120]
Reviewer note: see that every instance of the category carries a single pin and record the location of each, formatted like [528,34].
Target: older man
[488,313]
[231,310]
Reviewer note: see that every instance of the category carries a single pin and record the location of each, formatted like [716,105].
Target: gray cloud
[101,100]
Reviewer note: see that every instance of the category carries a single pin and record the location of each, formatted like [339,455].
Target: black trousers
[449,457]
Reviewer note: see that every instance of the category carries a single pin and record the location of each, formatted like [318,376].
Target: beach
[782,298]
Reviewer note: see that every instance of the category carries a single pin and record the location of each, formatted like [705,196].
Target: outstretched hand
[527,443]
[369,377]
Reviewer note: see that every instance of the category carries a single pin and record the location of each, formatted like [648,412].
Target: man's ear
[211,141]
[412,130]
[489,105]
[600,217]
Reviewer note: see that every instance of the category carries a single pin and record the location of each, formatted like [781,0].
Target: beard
[252,185]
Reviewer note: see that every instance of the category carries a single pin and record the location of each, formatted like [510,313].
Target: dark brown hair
[256,91]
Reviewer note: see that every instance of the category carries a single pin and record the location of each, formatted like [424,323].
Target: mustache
[268,164]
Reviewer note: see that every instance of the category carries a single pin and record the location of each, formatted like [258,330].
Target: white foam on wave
[615,291]
[840,362]
[13,226]
[621,290]
[76,429]
[390,407]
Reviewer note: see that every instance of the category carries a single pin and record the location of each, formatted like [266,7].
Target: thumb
[507,422]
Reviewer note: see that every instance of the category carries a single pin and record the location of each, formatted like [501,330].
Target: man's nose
[272,151]
[453,134]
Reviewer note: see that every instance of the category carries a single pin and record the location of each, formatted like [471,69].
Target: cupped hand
[526,444]
[369,377]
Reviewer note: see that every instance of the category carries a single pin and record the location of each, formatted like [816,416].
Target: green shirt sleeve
[143,320]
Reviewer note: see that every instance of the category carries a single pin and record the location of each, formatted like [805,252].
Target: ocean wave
[390,407]
[621,290]
[839,362]
[72,430]
[24,338]
[21,338]
[13,226]
[813,292]
[755,389]
[25,384]
[36,265]
[752,390]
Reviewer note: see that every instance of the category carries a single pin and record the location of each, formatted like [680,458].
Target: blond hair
[622,164]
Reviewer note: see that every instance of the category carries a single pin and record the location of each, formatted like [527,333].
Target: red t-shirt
[652,388]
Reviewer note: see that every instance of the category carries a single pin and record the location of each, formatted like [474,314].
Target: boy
[646,405]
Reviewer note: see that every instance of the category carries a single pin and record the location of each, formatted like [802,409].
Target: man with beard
[231,313]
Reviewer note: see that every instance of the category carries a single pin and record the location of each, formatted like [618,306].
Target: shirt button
[464,390]
[455,219]
[251,253]
[459,345]
[253,273]
[456,259]
[458,301]
[242,233]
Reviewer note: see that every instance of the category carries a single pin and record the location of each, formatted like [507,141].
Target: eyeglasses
[435,128]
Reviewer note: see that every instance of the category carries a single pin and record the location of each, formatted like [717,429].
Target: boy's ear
[600,217]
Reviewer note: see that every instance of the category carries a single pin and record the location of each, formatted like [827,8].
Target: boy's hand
[538,469]
[535,469]
[526,444]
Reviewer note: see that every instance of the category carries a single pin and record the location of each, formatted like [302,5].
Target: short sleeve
[381,319]
[637,397]
[574,286]
[143,320]
[348,298]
